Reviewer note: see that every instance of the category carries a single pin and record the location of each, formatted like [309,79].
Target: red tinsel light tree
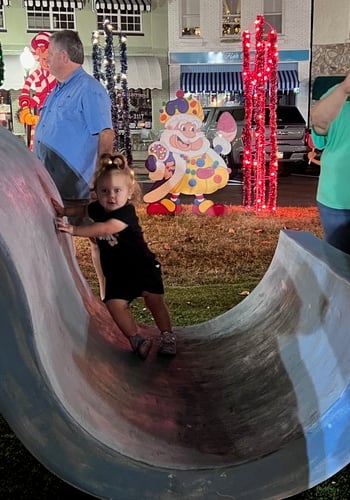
[2,67]
[258,79]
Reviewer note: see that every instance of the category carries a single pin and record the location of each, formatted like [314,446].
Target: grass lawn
[209,265]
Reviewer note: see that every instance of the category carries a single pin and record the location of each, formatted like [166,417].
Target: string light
[247,131]
[255,79]
[97,57]
[272,56]
[125,97]
[110,77]
[120,101]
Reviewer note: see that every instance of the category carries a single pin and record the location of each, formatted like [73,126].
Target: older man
[75,125]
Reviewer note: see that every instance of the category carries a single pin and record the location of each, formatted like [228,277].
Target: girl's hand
[63,226]
[60,212]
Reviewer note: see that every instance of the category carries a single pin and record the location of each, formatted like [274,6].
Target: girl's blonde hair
[117,162]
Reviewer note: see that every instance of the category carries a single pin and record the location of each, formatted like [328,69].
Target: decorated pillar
[110,79]
[120,99]
[259,78]
[125,98]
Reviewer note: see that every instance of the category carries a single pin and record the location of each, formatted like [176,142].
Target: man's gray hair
[69,41]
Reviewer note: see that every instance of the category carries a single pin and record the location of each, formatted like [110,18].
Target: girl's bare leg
[122,316]
[120,312]
[160,312]
[95,256]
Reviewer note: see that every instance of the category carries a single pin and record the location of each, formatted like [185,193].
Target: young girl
[130,268]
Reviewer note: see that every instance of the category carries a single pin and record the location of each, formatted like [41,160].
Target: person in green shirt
[330,122]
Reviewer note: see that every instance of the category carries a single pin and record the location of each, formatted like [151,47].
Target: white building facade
[206,52]
[330,45]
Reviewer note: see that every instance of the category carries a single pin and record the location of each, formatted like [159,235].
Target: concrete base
[254,406]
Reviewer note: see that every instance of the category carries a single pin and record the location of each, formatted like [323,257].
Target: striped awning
[127,6]
[288,80]
[212,82]
[75,4]
[231,81]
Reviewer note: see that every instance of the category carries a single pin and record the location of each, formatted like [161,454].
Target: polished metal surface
[254,406]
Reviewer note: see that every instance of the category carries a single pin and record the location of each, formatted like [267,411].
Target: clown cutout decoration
[183,162]
[37,85]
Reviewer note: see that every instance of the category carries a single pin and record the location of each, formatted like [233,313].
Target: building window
[120,21]
[231,18]
[2,18]
[50,17]
[190,15]
[273,14]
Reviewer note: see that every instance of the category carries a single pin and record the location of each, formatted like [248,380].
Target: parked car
[291,135]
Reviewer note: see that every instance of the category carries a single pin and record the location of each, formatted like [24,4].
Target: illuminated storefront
[215,78]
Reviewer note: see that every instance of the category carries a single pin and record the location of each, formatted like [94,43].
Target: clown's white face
[185,136]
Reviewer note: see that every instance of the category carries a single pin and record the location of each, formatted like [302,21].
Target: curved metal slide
[256,405]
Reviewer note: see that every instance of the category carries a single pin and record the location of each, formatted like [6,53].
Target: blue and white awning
[288,80]
[231,81]
[221,81]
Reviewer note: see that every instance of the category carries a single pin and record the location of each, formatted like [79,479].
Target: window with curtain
[50,17]
[190,15]
[273,14]
[231,18]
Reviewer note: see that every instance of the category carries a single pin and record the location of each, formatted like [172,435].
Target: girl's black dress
[129,266]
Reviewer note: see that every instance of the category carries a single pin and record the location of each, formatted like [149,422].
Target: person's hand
[27,118]
[169,169]
[63,226]
[60,212]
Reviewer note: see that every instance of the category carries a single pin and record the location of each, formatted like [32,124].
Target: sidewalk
[141,173]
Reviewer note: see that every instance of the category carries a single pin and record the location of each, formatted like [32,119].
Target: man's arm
[106,141]
[328,108]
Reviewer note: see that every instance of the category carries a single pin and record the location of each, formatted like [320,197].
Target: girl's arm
[94,230]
